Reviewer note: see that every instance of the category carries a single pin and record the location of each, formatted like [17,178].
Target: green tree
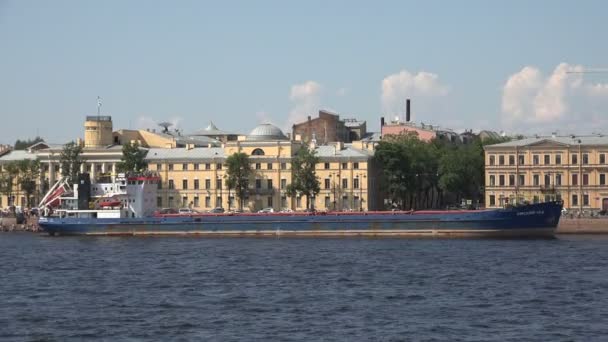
[7,180]
[70,161]
[304,181]
[133,158]
[23,144]
[29,172]
[238,172]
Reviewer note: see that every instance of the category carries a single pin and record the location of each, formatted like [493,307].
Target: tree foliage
[133,158]
[29,172]
[23,144]
[70,161]
[305,181]
[7,180]
[417,174]
[238,172]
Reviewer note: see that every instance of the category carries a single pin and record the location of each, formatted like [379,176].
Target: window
[511,160]
[184,201]
[196,165]
[356,183]
[185,167]
[535,200]
[327,202]
[269,183]
[270,201]
[171,202]
[602,158]
[283,183]
[521,159]
[574,179]
[574,200]
[547,180]
[535,159]
[501,180]
[258,183]
[521,180]
[283,166]
[258,166]
[558,179]
[207,201]
[492,160]
[170,167]
[299,201]
[257,152]
[326,166]
[159,202]
[218,201]
[284,201]
[344,166]
[207,166]
[159,185]
[327,186]
[535,180]
[602,179]
[356,166]
[344,183]
[511,180]
[196,182]
[207,183]
[171,184]
[269,166]
[492,180]
[574,159]
[218,183]
[585,158]
[218,166]
[585,179]
[501,160]
[159,167]
[196,200]
[558,159]
[547,159]
[492,200]
[185,184]
[585,200]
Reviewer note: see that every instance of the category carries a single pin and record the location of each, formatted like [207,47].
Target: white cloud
[420,87]
[561,101]
[305,98]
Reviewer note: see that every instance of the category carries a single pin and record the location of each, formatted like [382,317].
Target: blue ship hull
[534,220]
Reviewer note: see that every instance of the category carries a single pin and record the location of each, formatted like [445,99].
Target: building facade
[572,168]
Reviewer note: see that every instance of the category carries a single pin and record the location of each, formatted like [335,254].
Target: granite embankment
[585,225]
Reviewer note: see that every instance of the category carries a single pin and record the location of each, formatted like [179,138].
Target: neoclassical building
[571,168]
[195,177]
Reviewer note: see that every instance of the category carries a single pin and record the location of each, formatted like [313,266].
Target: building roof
[572,140]
[353,123]
[347,151]
[266,132]
[17,155]
[155,154]
[211,130]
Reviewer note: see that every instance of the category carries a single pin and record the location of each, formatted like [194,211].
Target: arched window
[257,152]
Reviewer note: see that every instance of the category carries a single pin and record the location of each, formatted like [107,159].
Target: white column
[92,172]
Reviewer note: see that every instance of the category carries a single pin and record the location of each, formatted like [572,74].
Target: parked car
[286,210]
[167,211]
[266,210]
[217,210]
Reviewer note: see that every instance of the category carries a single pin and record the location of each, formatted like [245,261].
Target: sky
[514,66]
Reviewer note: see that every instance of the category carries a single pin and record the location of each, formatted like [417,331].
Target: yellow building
[195,177]
[571,168]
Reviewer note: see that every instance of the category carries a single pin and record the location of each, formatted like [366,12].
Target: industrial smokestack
[382,121]
[407,110]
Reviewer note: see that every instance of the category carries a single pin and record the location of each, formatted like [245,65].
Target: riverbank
[9,224]
[583,226]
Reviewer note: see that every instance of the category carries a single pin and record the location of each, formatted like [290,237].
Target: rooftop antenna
[98,107]
[165,126]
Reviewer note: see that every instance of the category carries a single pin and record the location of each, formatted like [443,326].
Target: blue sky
[465,64]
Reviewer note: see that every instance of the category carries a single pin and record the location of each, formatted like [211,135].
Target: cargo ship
[127,207]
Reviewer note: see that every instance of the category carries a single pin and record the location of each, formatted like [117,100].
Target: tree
[70,161]
[23,144]
[133,158]
[7,180]
[29,172]
[305,181]
[238,171]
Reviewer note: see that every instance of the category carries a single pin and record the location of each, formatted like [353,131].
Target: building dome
[266,132]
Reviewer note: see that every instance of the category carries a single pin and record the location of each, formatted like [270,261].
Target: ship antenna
[98,107]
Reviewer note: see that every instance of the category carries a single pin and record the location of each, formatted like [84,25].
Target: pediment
[547,143]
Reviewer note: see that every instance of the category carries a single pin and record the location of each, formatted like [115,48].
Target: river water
[247,289]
